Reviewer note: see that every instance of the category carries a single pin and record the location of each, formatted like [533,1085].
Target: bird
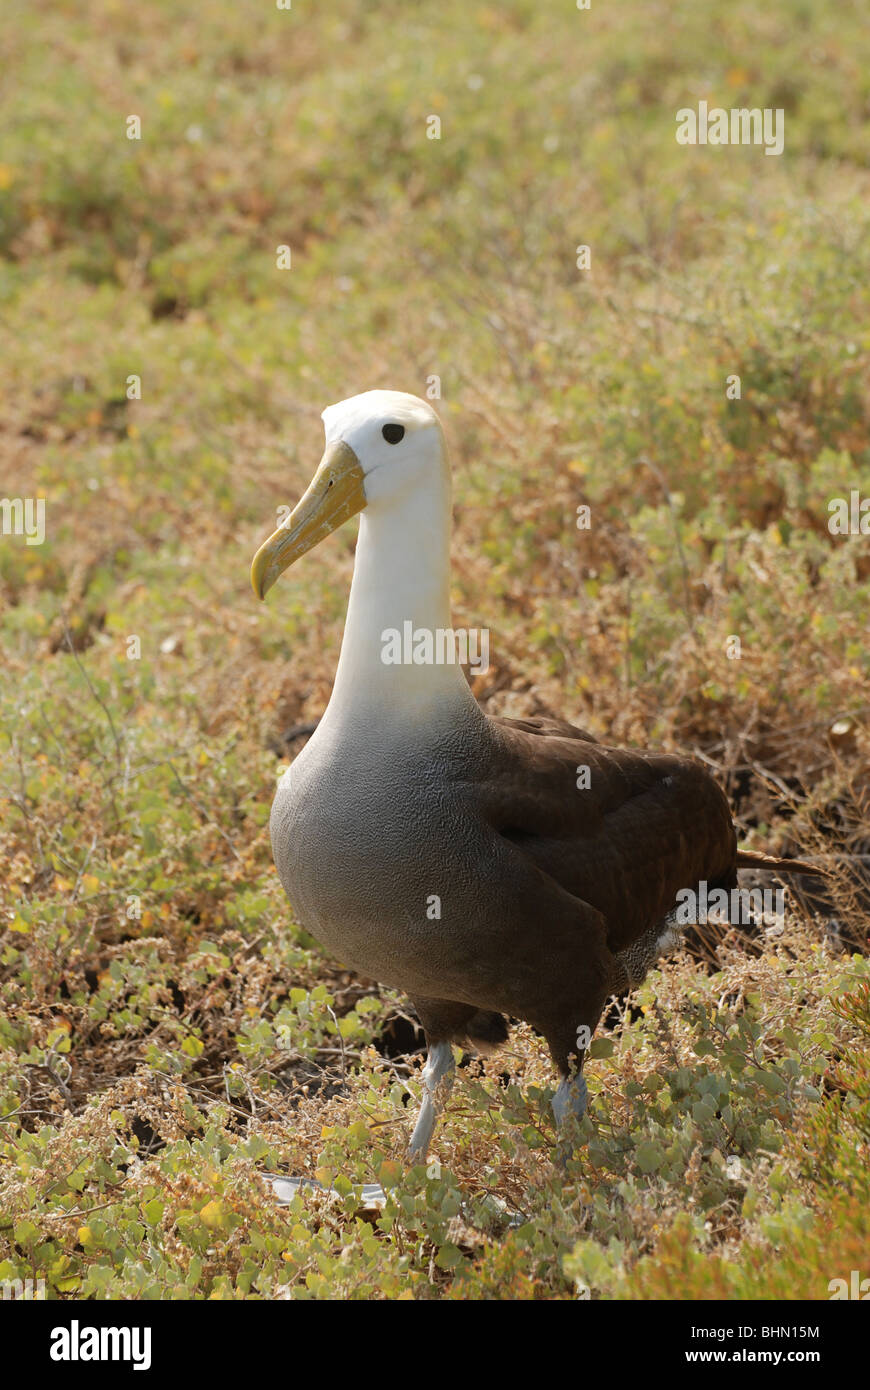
[490,868]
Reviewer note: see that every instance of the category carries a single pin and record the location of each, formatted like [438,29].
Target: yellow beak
[335,493]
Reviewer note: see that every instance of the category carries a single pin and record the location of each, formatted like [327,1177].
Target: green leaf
[448,1257]
[771,1081]
[649,1156]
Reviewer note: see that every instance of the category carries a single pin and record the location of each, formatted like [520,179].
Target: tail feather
[487,1031]
[752,859]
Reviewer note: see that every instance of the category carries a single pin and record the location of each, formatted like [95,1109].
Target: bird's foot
[438,1075]
[569,1103]
[438,1072]
[284,1190]
[571,1098]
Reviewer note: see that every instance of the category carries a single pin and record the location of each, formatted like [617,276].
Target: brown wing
[621,829]
[547,726]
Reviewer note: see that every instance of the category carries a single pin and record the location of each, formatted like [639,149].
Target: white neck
[401,575]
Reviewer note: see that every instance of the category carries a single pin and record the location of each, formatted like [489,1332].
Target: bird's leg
[571,1098]
[568,1047]
[569,1103]
[438,1075]
[438,1072]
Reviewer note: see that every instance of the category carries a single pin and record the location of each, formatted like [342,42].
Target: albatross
[454,856]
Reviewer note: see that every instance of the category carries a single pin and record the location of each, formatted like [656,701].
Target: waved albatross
[552,898]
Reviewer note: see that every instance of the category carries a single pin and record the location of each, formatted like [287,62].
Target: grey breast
[375,843]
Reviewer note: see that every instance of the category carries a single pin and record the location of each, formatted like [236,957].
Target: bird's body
[487,867]
[482,834]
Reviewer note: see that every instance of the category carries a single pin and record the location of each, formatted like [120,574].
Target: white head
[396,437]
[381,448]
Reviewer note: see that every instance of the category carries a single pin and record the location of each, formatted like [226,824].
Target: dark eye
[393,433]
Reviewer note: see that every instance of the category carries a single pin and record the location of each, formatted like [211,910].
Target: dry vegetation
[167,1034]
